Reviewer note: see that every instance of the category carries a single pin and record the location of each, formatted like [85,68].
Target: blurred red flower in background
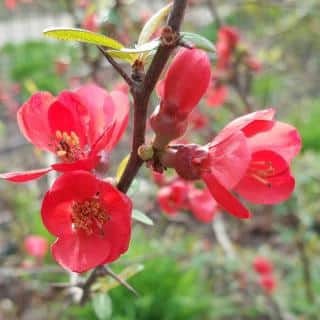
[36,246]
[262,265]
[268,282]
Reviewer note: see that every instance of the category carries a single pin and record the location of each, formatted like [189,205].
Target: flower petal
[229,159]
[202,205]
[67,114]
[217,95]
[101,109]
[24,176]
[79,253]
[224,198]
[277,188]
[118,227]
[241,123]
[283,139]
[32,119]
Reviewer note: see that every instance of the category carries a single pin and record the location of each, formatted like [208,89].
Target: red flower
[228,39]
[36,246]
[75,127]
[172,197]
[91,219]
[10,4]
[90,22]
[221,164]
[251,156]
[184,84]
[262,265]
[198,120]
[268,282]
[217,94]
[202,205]
[273,144]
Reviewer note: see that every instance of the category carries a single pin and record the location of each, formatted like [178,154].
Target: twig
[222,237]
[117,67]
[213,9]
[121,281]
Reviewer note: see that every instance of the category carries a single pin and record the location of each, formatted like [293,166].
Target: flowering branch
[117,67]
[142,92]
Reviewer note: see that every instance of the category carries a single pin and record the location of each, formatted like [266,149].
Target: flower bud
[186,81]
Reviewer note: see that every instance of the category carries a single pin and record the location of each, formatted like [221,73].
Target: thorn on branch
[117,67]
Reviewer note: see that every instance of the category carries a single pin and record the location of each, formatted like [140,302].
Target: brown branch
[117,67]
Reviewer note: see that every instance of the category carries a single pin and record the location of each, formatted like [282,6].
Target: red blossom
[36,246]
[262,265]
[251,156]
[90,22]
[90,218]
[217,94]
[268,283]
[10,4]
[228,39]
[273,145]
[173,196]
[201,204]
[79,130]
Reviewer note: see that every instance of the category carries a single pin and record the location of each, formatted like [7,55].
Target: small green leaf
[134,188]
[102,306]
[129,57]
[198,41]
[153,24]
[81,35]
[141,217]
[146,47]
[121,167]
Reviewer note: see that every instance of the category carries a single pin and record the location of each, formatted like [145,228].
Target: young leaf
[146,47]
[121,167]
[134,188]
[198,41]
[102,306]
[153,24]
[81,35]
[141,217]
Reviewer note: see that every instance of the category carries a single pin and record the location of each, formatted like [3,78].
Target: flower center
[261,171]
[68,146]
[89,216]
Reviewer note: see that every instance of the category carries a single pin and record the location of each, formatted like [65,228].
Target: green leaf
[198,41]
[153,24]
[121,167]
[81,35]
[102,306]
[146,47]
[141,217]
[134,188]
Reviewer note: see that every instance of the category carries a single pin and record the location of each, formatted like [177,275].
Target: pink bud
[186,81]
